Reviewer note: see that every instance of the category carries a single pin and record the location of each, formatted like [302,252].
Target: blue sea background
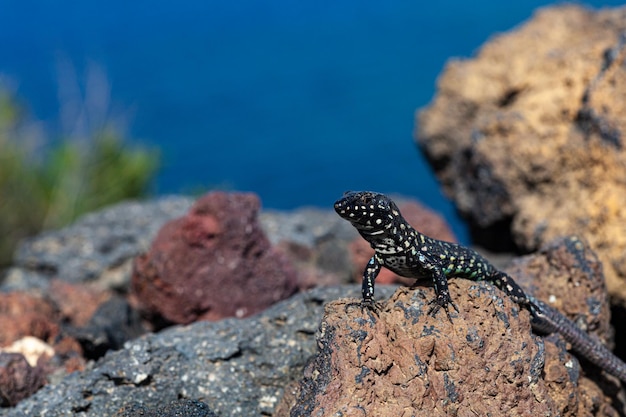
[297,101]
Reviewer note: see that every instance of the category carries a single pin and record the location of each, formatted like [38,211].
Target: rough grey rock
[306,226]
[113,323]
[316,241]
[98,246]
[237,367]
[182,408]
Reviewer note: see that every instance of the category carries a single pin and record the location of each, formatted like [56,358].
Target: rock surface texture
[253,366]
[528,137]
[63,304]
[484,361]
[98,248]
[18,379]
[238,367]
[215,262]
[179,408]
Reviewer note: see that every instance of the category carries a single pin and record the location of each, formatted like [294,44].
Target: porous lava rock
[215,262]
[483,360]
[238,367]
[528,136]
[567,274]
[404,362]
[98,248]
[315,242]
[178,408]
[23,314]
[18,380]
[421,218]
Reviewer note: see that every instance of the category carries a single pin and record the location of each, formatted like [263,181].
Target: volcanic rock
[483,360]
[18,380]
[213,263]
[528,136]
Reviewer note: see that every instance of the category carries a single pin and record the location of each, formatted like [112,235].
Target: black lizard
[409,253]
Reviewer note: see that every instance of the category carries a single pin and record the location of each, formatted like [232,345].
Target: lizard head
[367,210]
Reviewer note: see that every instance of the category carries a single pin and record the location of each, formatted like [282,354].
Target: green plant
[43,187]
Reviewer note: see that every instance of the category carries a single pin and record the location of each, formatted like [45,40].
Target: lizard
[405,251]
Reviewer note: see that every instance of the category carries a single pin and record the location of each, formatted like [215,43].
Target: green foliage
[47,188]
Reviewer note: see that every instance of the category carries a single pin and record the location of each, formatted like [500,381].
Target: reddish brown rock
[567,274]
[484,361]
[420,217]
[18,380]
[404,362]
[213,263]
[528,137]
[23,314]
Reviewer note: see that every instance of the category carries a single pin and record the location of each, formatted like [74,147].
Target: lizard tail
[549,320]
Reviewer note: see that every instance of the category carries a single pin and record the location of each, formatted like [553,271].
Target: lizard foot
[366,305]
[438,303]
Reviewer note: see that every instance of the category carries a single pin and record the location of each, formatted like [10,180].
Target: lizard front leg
[443,294]
[367,289]
[369,277]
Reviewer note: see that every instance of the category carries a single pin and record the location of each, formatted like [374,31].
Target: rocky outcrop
[253,366]
[237,367]
[68,287]
[215,262]
[484,360]
[402,361]
[98,248]
[528,136]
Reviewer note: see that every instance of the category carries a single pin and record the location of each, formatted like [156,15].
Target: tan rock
[528,136]
[484,360]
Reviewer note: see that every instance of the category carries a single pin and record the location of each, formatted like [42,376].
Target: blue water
[295,100]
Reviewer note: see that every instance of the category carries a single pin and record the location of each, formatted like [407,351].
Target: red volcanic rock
[18,380]
[22,314]
[421,218]
[215,262]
